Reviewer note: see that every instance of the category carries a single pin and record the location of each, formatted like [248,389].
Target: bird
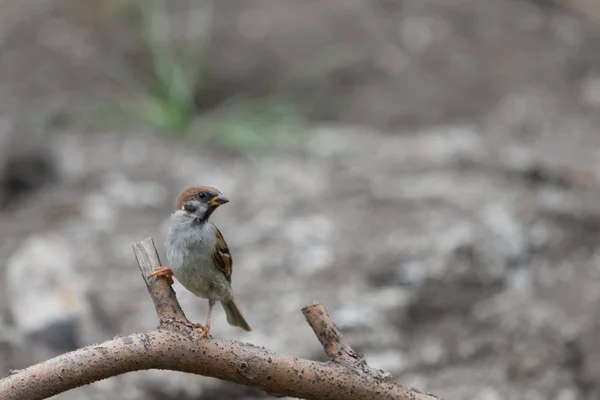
[199,256]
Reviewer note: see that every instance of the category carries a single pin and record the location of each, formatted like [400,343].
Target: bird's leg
[162,271]
[206,332]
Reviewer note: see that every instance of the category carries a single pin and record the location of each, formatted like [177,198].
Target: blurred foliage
[255,126]
[162,89]
[169,100]
[166,101]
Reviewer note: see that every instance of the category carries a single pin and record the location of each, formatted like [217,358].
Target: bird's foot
[205,330]
[165,272]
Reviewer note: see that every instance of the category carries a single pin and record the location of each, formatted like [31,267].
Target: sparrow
[198,254]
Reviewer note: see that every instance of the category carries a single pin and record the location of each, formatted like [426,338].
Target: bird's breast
[189,250]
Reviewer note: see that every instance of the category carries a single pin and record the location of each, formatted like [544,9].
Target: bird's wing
[222,257]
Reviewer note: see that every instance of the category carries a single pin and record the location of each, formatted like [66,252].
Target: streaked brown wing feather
[222,256]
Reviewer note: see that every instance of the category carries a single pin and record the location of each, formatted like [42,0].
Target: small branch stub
[335,346]
[165,301]
[345,377]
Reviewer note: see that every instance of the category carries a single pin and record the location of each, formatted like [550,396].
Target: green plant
[166,99]
[170,103]
[255,125]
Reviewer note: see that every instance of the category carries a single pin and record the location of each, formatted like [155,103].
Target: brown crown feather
[193,191]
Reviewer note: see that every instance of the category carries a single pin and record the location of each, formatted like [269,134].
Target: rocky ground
[449,219]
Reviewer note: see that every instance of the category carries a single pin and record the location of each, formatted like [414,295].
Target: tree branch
[175,345]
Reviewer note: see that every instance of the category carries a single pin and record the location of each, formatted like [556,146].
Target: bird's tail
[234,316]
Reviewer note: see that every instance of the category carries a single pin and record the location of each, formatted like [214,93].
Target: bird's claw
[205,331]
[164,272]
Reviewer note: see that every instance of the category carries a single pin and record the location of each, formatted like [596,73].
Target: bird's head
[199,202]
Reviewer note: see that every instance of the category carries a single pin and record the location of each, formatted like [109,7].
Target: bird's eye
[202,196]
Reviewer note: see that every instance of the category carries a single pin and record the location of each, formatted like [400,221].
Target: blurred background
[426,169]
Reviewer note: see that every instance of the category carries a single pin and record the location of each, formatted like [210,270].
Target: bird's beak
[218,200]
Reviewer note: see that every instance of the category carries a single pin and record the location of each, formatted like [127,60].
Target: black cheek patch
[190,208]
